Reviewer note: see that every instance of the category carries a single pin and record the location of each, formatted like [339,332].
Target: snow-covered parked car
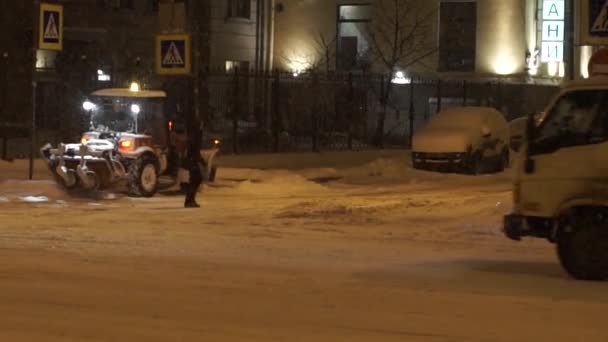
[469,139]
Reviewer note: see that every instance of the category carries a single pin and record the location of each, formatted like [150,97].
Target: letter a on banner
[51,27]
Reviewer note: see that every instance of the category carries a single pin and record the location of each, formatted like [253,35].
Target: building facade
[528,38]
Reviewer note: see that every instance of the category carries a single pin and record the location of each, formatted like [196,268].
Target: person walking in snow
[192,163]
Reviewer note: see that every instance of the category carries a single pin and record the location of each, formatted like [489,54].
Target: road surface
[372,252]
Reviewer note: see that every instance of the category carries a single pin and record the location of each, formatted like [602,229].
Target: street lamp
[135,109]
[89,107]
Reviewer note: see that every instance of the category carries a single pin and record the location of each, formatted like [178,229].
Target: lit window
[353,36]
[233,65]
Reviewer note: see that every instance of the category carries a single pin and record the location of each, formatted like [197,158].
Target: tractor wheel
[143,177]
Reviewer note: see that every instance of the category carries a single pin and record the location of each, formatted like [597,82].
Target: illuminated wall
[299,25]
[501,34]
[501,39]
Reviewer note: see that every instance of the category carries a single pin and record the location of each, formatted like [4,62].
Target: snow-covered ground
[314,247]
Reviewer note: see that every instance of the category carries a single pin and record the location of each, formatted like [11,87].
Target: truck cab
[560,189]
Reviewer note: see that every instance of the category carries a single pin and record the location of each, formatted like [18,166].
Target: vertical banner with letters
[51,27]
[552,42]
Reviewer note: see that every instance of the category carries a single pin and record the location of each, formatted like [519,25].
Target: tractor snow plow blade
[76,166]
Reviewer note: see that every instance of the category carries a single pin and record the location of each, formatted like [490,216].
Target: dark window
[123,4]
[457,36]
[152,6]
[239,9]
[353,36]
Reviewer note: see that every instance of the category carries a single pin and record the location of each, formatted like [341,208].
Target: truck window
[577,118]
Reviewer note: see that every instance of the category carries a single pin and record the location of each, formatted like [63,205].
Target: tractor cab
[117,110]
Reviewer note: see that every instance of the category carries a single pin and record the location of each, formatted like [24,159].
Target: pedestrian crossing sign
[594,22]
[173,54]
[51,27]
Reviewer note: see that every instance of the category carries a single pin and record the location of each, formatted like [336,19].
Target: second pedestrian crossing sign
[594,22]
[51,27]
[173,55]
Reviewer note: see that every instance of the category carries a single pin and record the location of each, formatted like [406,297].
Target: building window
[152,6]
[353,36]
[123,4]
[239,9]
[457,36]
[231,66]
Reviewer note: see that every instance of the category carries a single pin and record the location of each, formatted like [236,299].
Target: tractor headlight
[135,109]
[88,106]
[126,144]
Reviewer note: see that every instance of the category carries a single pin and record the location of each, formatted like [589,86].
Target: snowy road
[367,251]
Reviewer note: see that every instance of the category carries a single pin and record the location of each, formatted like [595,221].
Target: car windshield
[122,114]
[577,118]
[112,114]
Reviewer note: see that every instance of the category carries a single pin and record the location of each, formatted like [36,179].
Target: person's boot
[188,203]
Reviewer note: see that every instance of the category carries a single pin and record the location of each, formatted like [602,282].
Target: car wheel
[476,166]
[143,177]
[582,247]
[504,161]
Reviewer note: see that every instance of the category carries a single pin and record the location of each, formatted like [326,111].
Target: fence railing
[274,112]
[254,112]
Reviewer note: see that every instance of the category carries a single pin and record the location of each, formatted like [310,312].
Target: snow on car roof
[462,112]
[126,92]
[462,116]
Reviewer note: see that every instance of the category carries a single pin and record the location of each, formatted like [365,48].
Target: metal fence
[252,112]
[274,112]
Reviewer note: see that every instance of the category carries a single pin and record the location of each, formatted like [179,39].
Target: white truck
[561,179]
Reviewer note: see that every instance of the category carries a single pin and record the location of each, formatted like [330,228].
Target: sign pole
[571,42]
[34,87]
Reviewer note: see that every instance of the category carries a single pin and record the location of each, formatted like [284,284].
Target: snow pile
[34,199]
[284,184]
[350,209]
[391,170]
[30,191]
[19,169]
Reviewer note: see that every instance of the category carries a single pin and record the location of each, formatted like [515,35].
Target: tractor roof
[126,92]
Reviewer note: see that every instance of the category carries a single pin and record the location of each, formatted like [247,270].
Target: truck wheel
[143,177]
[582,247]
